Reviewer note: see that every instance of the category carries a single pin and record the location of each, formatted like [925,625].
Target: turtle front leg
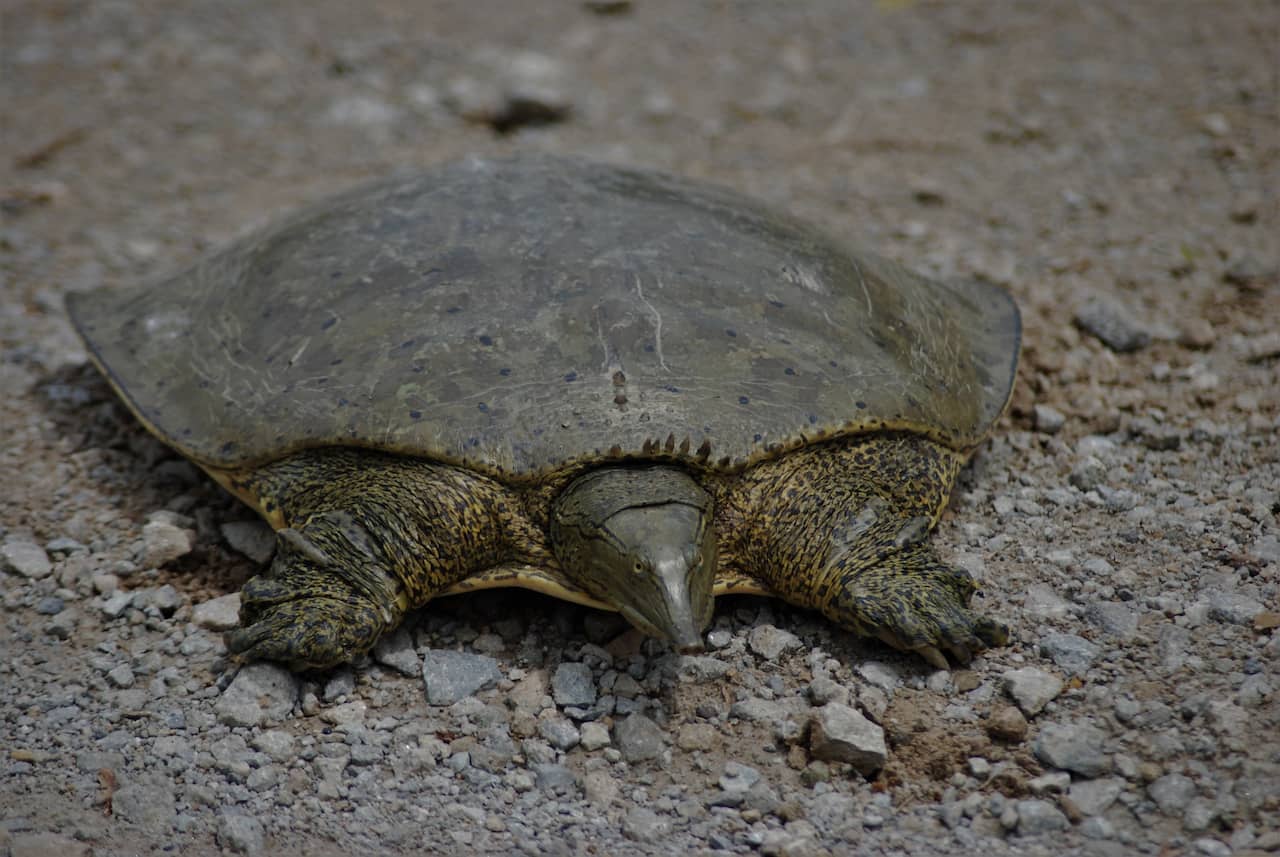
[311,609]
[843,528]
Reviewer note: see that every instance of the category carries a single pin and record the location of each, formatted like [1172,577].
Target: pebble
[1075,747]
[645,825]
[1032,689]
[1069,652]
[594,735]
[261,692]
[1007,723]
[146,804]
[738,778]
[164,541]
[839,733]
[25,558]
[50,606]
[572,684]
[1094,797]
[218,614]
[1114,618]
[638,738]
[559,731]
[1039,816]
[696,736]
[1172,793]
[1233,609]
[253,539]
[769,642]
[1047,419]
[396,651]
[121,676]
[451,676]
[240,833]
[1112,324]
[47,845]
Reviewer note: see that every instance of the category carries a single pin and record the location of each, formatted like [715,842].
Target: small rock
[1172,793]
[121,676]
[1039,816]
[341,682]
[396,651]
[645,825]
[696,736]
[554,778]
[1052,783]
[1233,609]
[242,834]
[25,558]
[1116,619]
[1032,689]
[841,734]
[50,606]
[638,738]
[1069,652]
[572,684]
[253,539]
[559,731]
[1094,797]
[261,692]
[47,845]
[700,668]
[769,642]
[218,614]
[1112,324]
[1047,419]
[600,788]
[451,676]
[163,541]
[1073,747]
[345,714]
[594,735]
[824,689]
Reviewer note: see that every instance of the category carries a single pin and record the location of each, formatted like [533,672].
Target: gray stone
[824,689]
[218,614]
[700,668]
[1113,324]
[839,733]
[594,736]
[25,558]
[451,676]
[164,541]
[149,805]
[552,777]
[276,743]
[241,833]
[769,642]
[261,692]
[1048,420]
[759,710]
[396,651]
[1032,689]
[163,598]
[1039,816]
[253,539]
[47,845]
[341,682]
[572,684]
[1094,797]
[50,606]
[1073,747]
[1233,609]
[1118,620]
[881,675]
[638,738]
[1069,652]
[645,825]
[1042,602]
[121,676]
[559,732]
[1172,793]
[738,778]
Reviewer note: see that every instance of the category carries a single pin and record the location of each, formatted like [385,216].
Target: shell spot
[505,371]
[335,361]
[620,399]
[619,379]
[813,419]
[454,310]
[729,331]
[860,405]
[415,415]
[776,304]
[648,347]
[704,450]
[328,323]
[744,400]
[227,448]
[758,438]
[485,339]
[483,408]
[408,343]
[670,388]
[571,376]
[788,371]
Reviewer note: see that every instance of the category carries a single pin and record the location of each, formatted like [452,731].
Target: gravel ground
[1114,165]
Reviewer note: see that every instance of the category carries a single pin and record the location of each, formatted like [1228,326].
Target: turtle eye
[638,567]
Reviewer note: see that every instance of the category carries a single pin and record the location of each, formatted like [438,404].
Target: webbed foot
[915,602]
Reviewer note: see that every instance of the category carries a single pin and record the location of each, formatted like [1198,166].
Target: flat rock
[25,558]
[1069,652]
[1032,688]
[572,684]
[839,733]
[148,805]
[1094,797]
[164,541]
[253,539]
[241,834]
[1039,816]
[47,845]
[261,692]
[396,651]
[1172,793]
[769,642]
[638,738]
[1075,747]
[1113,324]
[645,825]
[451,676]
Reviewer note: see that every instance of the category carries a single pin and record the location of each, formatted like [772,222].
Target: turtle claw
[308,632]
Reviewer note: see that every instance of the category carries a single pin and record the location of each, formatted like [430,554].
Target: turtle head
[641,539]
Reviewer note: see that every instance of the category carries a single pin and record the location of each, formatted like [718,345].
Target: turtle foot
[304,631]
[915,602]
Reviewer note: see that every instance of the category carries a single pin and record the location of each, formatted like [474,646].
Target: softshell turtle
[616,386]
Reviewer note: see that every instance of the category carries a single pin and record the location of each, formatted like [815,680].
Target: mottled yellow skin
[838,527]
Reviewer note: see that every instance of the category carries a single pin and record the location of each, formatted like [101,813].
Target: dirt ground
[1114,165]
